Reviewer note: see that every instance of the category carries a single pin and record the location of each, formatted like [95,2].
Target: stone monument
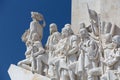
[108,10]
[89,49]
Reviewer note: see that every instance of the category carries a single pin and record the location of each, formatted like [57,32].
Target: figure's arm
[74,49]
[59,49]
[41,51]
[96,38]
[111,62]
[116,58]
[47,44]
[28,52]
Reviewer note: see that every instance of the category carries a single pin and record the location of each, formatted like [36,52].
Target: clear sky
[14,20]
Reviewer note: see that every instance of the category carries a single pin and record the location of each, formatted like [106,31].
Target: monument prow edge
[18,73]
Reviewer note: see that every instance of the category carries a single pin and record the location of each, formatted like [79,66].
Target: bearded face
[83,33]
[65,33]
[53,28]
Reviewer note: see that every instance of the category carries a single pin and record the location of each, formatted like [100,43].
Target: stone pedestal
[17,73]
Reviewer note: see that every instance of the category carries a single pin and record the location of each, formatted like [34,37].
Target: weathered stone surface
[108,9]
[80,12]
[110,12]
[18,73]
[91,54]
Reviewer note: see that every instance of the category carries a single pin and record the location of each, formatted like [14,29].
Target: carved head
[67,31]
[116,41]
[53,28]
[82,25]
[68,26]
[37,16]
[57,37]
[83,33]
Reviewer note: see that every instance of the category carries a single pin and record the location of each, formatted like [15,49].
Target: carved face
[65,33]
[68,27]
[53,28]
[56,37]
[37,16]
[83,33]
[82,25]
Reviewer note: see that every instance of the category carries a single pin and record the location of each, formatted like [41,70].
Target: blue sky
[15,19]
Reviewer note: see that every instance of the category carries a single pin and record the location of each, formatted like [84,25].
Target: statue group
[92,54]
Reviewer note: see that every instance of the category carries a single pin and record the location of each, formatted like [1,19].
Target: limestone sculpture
[91,54]
[35,26]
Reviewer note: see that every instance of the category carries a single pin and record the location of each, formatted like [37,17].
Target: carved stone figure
[26,63]
[66,51]
[107,44]
[34,49]
[72,52]
[52,41]
[112,61]
[35,26]
[60,59]
[89,55]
